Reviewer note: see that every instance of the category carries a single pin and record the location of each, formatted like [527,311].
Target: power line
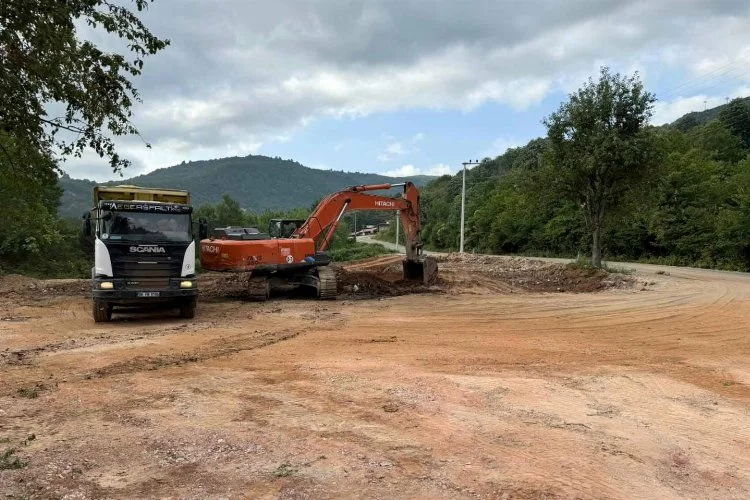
[697,79]
[711,83]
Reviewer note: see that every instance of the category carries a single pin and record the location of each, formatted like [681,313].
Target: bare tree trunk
[596,246]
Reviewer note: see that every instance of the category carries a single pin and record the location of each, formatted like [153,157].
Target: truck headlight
[106,285]
[186,284]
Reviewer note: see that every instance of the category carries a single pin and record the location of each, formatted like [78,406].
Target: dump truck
[292,252]
[144,252]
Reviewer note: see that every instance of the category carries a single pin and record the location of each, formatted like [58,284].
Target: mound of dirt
[385,282]
[532,275]
[24,287]
[222,285]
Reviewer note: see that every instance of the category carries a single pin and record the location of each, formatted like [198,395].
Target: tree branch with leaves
[45,63]
[600,146]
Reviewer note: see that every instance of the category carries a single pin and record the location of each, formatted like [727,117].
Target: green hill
[257,182]
[697,118]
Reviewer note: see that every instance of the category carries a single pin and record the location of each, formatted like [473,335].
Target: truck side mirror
[202,229]
[87,225]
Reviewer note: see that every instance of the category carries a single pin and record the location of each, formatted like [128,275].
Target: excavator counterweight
[293,251]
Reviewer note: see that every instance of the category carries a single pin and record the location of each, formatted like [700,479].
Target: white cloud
[397,148]
[439,169]
[410,170]
[403,171]
[258,72]
[392,151]
[669,111]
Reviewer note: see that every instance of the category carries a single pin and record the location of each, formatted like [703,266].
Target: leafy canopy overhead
[45,65]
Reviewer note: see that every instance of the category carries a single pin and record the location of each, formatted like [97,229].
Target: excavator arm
[324,220]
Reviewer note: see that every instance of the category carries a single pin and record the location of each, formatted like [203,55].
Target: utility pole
[463,200]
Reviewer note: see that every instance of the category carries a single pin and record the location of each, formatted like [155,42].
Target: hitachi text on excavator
[292,253]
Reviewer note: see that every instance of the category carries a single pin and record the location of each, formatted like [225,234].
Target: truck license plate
[147,294]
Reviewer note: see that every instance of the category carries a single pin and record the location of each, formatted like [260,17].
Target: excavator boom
[296,257]
[322,223]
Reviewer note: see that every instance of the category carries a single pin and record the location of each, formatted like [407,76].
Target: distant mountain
[257,182]
[696,118]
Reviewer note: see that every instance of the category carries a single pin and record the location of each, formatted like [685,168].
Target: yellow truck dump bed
[135,193]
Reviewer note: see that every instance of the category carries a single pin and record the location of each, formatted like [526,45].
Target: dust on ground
[482,390]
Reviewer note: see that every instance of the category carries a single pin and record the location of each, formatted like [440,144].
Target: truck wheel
[187,308]
[102,311]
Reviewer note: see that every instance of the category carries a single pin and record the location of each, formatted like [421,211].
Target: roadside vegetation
[686,202]
[357,251]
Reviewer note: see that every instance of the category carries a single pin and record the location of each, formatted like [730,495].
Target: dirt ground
[495,382]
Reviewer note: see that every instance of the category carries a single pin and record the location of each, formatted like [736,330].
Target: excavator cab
[283,228]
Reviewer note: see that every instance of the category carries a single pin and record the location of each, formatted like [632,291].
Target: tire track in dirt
[618,394]
[149,363]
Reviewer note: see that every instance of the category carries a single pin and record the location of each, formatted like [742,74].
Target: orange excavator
[292,253]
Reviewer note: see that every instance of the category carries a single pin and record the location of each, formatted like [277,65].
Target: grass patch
[284,470]
[357,251]
[586,265]
[9,460]
[31,392]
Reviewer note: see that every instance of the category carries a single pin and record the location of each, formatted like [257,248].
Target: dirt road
[484,390]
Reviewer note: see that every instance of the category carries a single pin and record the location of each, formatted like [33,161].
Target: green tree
[229,212]
[600,146]
[225,213]
[45,65]
[736,116]
[716,139]
[28,201]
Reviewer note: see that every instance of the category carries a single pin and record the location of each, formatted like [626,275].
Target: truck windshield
[142,226]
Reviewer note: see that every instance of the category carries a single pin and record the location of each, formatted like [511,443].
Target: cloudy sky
[409,86]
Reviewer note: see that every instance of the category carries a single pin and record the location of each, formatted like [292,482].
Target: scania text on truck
[143,249]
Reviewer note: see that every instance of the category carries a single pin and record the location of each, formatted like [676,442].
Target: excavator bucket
[424,269]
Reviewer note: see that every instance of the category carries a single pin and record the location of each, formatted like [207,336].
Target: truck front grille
[146,272]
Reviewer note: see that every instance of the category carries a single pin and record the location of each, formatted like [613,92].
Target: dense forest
[693,207]
[257,182]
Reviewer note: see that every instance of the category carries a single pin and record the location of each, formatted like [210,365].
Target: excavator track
[258,288]
[327,283]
